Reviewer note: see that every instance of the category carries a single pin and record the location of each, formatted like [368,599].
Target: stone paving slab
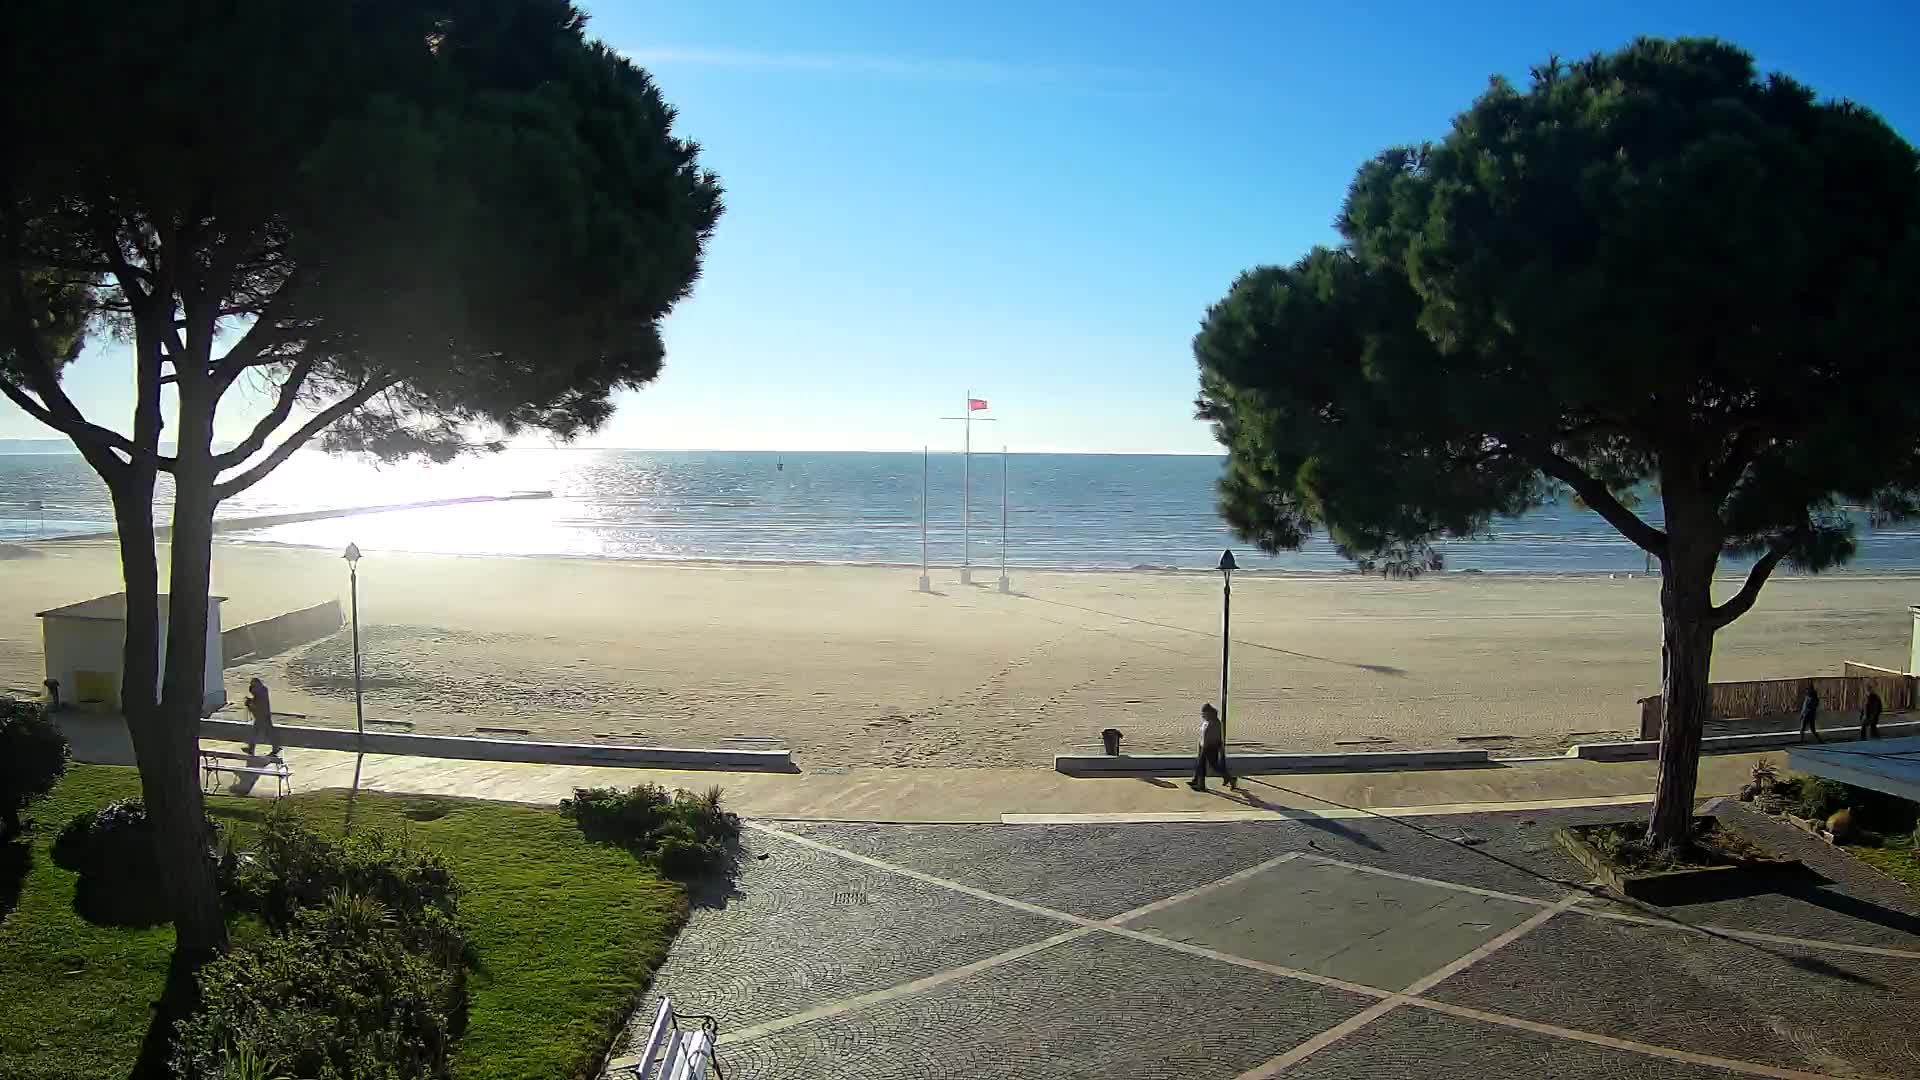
[1095,871]
[1336,921]
[1098,1006]
[801,927]
[1792,1007]
[1099,871]
[1410,1043]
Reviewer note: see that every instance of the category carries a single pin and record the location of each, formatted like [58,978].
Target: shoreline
[1242,573]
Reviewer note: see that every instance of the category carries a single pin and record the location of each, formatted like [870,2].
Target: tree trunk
[179,817]
[1686,611]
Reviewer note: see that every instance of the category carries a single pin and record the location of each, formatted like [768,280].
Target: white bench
[675,1054]
[215,762]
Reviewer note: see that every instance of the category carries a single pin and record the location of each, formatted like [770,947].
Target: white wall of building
[72,645]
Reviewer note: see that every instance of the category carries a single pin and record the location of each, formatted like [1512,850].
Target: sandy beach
[849,666]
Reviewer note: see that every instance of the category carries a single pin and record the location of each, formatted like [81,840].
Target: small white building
[83,644]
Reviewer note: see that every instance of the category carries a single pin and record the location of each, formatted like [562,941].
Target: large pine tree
[1648,269]
[419,222]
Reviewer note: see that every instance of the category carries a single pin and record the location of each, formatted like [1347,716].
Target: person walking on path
[1213,751]
[1810,713]
[260,708]
[1870,716]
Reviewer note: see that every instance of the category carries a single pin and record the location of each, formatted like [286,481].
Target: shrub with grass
[296,867]
[364,978]
[685,835]
[564,932]
[112,850]
[348,992]
[33,757]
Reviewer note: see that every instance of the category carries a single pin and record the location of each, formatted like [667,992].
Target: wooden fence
[1762,698]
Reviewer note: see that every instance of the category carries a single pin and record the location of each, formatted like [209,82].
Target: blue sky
[1037,201]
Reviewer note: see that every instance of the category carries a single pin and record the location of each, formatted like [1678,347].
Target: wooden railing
[1761,698]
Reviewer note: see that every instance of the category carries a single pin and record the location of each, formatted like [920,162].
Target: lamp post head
[353,556]
[1227,565]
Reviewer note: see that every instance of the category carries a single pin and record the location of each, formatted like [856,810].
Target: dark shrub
[112,850]
[33,756]
[1820,799]
[350,991]
[295,867]
[684,834]
[612,816]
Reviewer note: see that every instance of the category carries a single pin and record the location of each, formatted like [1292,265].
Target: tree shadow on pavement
[1806,887]
[1331,826]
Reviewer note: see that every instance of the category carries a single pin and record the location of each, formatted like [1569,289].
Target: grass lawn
[1894,856]
[567,934]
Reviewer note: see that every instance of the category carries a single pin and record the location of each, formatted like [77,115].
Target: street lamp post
[353,578]
[1227,567]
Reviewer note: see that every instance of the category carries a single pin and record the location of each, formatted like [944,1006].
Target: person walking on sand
[1810,713]
[1870,715]
[260,708]
[1213,751]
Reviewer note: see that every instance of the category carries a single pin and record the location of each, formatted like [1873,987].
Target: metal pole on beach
[966,494]
[926,464]
[966,487]
[1006,586]
[1227,567]
[353,577]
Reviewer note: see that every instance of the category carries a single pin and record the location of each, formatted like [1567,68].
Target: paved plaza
[1425,947]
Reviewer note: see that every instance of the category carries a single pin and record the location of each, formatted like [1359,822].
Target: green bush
[1820,799]
[295,867]
[364,978]
[33,757]
[685,835]
[349,992]
[112,850]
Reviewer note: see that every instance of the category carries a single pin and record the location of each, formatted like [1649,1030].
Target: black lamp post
[353,577]
[1227,567]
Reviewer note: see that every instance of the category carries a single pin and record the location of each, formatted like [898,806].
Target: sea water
[1092,511]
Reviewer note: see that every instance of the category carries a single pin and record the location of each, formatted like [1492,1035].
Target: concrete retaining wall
[1274,763]
[280,633]
[471,749]
[1647,749]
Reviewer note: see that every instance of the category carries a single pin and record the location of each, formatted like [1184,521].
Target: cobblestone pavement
[1375,948]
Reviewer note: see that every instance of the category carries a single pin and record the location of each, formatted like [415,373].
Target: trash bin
[1111,737]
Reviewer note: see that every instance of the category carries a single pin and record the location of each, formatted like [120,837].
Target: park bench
[674,1053]
[215,762]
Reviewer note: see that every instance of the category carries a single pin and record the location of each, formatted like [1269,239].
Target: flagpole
[926,459]
[1006,586]
[966,495]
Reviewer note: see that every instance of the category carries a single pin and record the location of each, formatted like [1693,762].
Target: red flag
[975,404]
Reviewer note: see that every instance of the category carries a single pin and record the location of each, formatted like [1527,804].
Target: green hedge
[33,757]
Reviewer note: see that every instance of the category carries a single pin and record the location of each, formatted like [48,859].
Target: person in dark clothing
[1213,751]
[260,708]
[1810,713]
[1870,716]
